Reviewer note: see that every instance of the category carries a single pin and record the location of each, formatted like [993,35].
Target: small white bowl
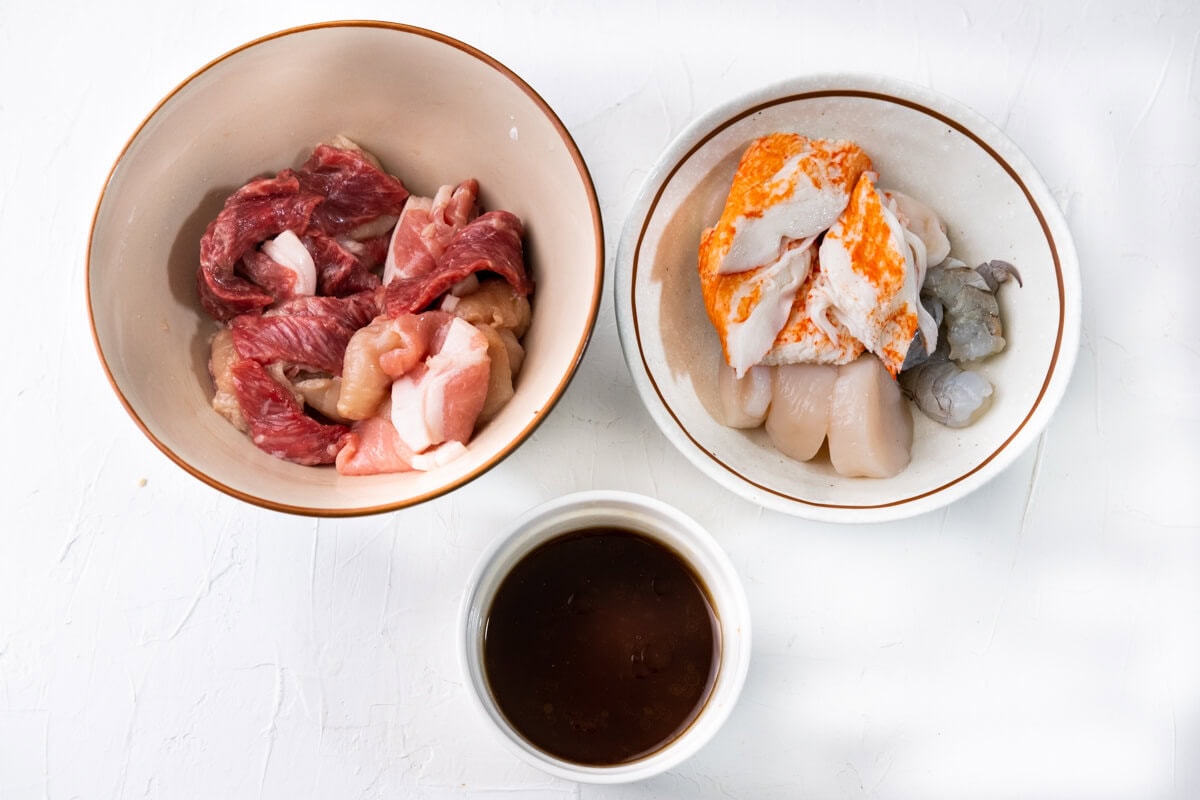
[435,111]
[936,149]
[656,520]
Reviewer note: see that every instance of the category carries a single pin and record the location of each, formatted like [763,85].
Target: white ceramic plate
[994,205]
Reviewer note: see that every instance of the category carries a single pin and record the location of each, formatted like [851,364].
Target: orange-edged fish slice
[787,189]
[868,281]
[802,341]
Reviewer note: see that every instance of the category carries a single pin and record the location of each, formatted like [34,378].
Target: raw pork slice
[277,423]
[491,242]
[426,227]
[373,447]
[261,209]
[440,399]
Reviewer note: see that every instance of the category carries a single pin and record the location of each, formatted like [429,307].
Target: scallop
[798,419]
[870,424]
[744,400]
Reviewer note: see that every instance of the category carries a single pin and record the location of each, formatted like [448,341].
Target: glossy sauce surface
[601,646]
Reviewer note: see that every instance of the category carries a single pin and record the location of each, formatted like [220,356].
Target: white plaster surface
[1038,639]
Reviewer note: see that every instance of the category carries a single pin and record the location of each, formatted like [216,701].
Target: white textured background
[1039,639]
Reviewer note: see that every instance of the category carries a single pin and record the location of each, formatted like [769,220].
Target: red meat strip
[370,252]
[339,272]
[353,311]
[491,242]
[355,190]
[315,343]
[274,278]
[278,425]
[259,210]
[310,332]
[425,229]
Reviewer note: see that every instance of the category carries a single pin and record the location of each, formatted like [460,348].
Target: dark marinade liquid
[600,646]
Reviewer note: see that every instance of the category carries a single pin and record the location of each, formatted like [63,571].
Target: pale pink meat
[379,353]
[425,228]
[440,400]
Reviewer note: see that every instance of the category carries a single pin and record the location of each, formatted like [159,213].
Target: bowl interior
[434,111]
[994,206]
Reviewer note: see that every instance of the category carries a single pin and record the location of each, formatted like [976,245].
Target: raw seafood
[798,420]
[946,392]
[744,400]
[972,315]
[869,280]
[825,290]
[870,424]
[786,191]
[319,354]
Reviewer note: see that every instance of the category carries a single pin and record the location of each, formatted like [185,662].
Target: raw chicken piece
[223,357]
[440,400]
[786,187]
[425,228]
[494,303]
[379,353]
[870,424]
[868,280]
[744,400]
[320,394]
[802,395]
[503,369]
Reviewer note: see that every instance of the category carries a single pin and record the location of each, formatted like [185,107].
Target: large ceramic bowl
[994,205]
[434,110]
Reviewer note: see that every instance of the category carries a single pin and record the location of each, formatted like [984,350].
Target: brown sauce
[600,646]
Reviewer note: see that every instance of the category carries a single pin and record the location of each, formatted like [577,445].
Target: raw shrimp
[946,392]
[972,315]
